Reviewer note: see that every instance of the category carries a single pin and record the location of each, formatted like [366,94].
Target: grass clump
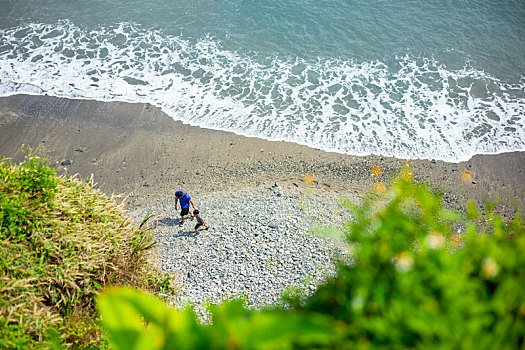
[61,242]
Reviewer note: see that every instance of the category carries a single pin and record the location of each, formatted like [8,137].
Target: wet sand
[138,151]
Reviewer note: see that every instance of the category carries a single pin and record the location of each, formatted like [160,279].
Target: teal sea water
[405,78]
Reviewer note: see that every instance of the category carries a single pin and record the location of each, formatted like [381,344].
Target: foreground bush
[124,312]
[61,242]
[426,277]
[423,277]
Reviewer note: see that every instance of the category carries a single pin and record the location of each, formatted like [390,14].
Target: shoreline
[237,133]
[137,150]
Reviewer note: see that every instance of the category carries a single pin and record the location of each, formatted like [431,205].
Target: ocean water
[406,78]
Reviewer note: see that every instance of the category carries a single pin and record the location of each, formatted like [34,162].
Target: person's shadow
[167,221]
[185,234]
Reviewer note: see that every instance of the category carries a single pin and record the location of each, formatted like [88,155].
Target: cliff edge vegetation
[61,242]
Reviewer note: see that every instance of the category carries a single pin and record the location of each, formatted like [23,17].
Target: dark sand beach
[138,151]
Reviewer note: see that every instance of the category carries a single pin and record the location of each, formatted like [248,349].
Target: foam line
[412,108]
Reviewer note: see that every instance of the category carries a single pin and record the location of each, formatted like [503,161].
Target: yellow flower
[309,179]
[380,187]
[376,170]
[435,240]
[457,239]
[404,262]
[407,174]
[466,176]
[490,268]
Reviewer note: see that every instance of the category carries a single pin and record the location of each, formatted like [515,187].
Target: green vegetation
[423,277]
[61,242]
[426,277]
[124,312]
[420,276]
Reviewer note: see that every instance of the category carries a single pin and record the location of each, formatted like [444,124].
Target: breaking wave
[406,107]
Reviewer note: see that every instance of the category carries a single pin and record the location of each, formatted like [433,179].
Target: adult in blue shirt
[185,201]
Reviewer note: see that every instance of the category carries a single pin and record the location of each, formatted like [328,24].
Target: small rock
[66,162]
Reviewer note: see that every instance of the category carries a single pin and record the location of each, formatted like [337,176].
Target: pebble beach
[260,241]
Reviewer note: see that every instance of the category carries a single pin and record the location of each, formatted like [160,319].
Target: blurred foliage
[134,320]
[427,277]
[422,277]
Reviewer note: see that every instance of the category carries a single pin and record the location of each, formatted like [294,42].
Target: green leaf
[472,211]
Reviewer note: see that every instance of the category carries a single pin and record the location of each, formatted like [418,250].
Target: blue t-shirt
[184,200]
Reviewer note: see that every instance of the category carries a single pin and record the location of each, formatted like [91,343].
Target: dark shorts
[184,211]
[198,225]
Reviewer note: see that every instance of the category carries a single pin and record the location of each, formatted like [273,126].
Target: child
[200,222]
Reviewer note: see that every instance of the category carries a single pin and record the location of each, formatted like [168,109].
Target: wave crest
[410,107]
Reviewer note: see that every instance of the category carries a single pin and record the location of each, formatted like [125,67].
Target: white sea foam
[415,108]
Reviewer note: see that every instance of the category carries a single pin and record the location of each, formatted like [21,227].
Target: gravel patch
[260,241]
